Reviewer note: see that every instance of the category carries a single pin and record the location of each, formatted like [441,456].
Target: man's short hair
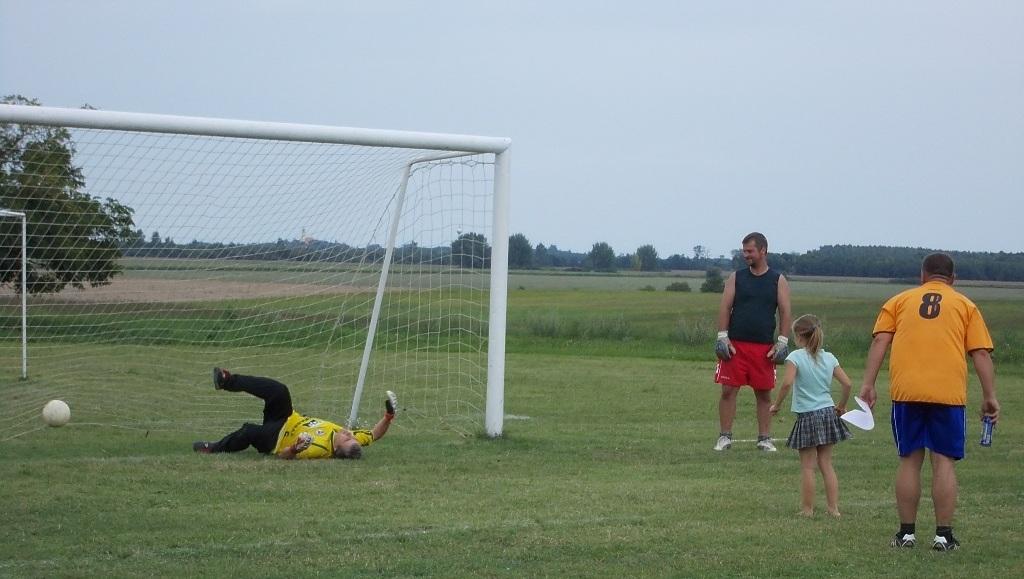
[760,241]
[938,264]
[348,451]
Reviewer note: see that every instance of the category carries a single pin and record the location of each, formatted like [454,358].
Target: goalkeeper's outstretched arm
[390,409]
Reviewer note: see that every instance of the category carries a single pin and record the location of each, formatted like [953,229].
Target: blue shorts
[939,427]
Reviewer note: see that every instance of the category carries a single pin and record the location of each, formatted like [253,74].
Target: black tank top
[753,308]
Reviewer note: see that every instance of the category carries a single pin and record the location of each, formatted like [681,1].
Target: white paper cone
[862,418]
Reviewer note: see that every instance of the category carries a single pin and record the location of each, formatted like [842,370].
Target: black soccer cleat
[941,544]
[220,378]
[203,447]
[391,403]
[903,541]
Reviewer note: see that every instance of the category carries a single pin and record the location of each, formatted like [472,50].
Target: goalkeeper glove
[303,442]
[723,347]
[781,350]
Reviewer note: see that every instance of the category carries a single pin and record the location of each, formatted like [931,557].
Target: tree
[700,252]
[520,252]
[601,257]
[73,238]
[541,257]
[470,250]
[713,281]
[647,257]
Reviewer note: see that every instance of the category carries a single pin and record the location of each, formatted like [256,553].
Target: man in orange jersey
[930,328]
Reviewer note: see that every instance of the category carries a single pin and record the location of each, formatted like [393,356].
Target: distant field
[811,285]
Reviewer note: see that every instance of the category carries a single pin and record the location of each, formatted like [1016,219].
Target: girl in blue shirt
[809,372]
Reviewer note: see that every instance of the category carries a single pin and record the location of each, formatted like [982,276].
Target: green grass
[605,469]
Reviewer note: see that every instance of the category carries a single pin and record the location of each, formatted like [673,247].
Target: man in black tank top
[746,347]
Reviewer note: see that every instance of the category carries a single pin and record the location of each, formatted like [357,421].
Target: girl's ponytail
[808,327]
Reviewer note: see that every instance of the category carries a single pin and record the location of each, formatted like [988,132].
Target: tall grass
[554,325]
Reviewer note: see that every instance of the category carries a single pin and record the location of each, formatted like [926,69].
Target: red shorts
[749,366]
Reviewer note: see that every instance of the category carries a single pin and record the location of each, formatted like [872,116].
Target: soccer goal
[343,262]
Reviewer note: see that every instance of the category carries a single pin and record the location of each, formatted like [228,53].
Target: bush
[648,288]
[713,281]
[678,286]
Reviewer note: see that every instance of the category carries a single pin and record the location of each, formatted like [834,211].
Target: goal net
[159,247]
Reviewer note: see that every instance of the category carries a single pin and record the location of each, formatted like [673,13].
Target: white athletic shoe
[766,445]
[724,443]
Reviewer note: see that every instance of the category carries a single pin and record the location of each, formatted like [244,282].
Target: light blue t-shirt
[813,387]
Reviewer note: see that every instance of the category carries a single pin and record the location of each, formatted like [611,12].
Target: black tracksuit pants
[277,407]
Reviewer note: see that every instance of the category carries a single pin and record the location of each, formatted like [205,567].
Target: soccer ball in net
[56,413]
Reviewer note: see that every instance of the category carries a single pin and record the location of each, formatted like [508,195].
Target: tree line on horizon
[893,262]
[473,250]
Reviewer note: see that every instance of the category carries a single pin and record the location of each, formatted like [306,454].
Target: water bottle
[986,430]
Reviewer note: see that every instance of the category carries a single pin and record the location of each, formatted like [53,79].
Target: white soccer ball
[56,413]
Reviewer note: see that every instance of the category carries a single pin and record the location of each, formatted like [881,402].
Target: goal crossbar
[213,127]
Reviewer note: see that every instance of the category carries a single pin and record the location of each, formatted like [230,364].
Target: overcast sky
[674,123]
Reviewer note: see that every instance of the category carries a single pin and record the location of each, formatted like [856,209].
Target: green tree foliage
[647,258]
[471,251]
[601,257]
[713,281]
[73,238]
[520,252]
[678,286]
[541,257]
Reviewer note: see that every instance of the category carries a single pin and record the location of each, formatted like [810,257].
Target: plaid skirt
[817,427]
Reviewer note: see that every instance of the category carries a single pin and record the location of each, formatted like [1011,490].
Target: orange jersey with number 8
[933,328]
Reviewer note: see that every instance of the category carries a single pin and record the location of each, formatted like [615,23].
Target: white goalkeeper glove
[723,347]
[780,350]
[305,439]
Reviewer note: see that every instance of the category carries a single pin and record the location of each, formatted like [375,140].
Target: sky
[674,123]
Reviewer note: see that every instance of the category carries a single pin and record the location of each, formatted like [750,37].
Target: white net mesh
[262,257]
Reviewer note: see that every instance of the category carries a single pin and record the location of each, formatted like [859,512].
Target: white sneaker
[724,443]
[766,445]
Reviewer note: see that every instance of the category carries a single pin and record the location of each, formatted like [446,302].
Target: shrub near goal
[343,262]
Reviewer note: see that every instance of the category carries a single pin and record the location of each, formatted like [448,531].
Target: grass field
[605,469]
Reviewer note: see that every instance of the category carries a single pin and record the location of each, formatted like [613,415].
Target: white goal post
[437,207]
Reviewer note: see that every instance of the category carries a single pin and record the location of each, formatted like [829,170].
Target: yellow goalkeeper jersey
[322,433]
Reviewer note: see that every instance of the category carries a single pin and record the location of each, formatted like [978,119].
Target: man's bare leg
[727,408]
[908,486]
[944,489]
[764,417]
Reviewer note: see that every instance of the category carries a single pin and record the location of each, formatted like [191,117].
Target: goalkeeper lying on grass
[287,433]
